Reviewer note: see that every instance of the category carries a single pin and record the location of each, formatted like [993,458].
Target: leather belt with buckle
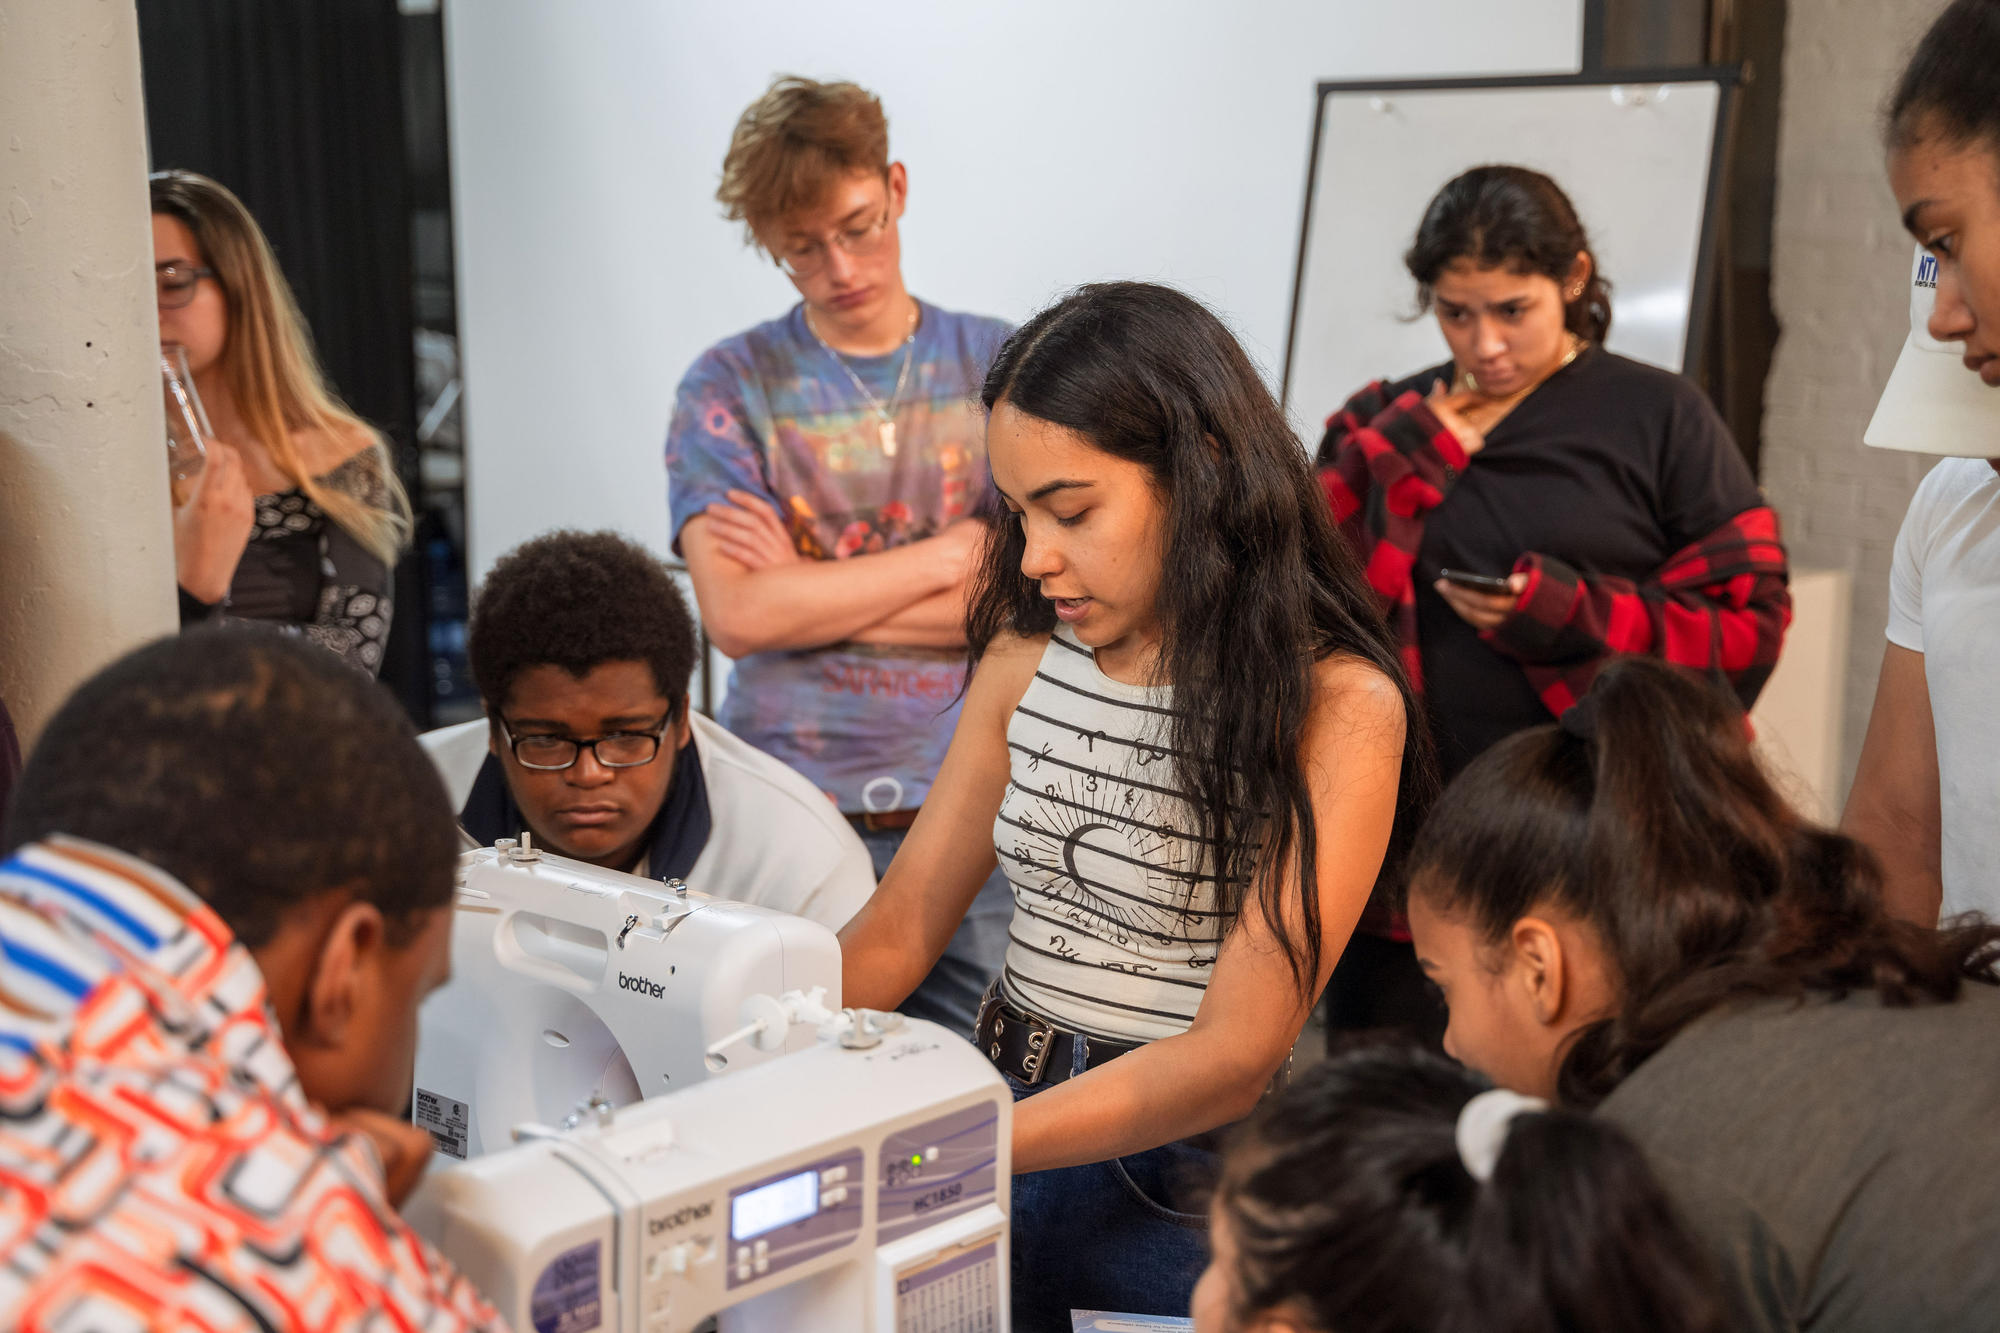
[883,821]
[1035,1051]
[1032,1049]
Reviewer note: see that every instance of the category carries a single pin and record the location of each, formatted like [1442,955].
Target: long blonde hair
[270,368]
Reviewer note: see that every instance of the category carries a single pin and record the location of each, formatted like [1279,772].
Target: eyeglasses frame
[514,746]
[192,287]
[872,236]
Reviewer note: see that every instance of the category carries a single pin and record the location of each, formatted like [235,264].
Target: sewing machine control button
[656,1265]
[833,1175]
[742,1255]
[930,1156]
[763,1260]
[742,1270]
[834,1197]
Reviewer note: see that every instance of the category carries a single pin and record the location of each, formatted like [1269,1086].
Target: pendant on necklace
[888,434]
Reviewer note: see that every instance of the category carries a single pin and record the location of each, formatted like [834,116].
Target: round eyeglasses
[177,283]
[617,749]
[809,257]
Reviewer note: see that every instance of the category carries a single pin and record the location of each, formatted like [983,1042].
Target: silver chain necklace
[886,432]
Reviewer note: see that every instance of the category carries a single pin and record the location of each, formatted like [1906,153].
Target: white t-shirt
[1944,602]
[774,839]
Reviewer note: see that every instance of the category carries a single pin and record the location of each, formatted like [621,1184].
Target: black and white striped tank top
[1116,923]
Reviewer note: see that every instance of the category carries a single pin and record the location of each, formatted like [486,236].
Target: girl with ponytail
[1624,911]
[1389,1191]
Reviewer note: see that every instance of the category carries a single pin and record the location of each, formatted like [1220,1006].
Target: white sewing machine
[838,1190]
[575,988]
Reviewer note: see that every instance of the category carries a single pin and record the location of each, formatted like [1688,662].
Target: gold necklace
[886,432]
[1575,349]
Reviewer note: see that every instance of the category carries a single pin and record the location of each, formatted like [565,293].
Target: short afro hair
[258,769]
[577,600]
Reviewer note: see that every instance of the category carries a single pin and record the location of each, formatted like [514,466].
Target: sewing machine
[576,989]
[857,1187]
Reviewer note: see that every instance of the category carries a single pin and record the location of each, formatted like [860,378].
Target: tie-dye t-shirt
[771,412]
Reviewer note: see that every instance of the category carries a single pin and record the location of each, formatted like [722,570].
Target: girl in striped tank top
[1184,743]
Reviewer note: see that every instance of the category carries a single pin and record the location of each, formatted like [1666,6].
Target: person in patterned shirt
[826,470]
[228,887]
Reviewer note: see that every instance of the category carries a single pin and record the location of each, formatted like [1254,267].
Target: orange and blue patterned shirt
[160,1167]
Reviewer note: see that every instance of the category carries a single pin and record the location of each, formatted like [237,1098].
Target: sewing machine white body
[574,987]
[835,1190]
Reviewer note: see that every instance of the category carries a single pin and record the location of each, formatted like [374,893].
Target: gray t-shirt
[1841,1157]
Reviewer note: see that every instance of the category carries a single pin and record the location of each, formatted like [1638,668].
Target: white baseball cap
[1932,403]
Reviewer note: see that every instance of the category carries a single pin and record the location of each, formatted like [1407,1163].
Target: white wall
[1840,285]
[1050,142]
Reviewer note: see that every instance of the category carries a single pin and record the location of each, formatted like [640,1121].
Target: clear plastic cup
[187,420]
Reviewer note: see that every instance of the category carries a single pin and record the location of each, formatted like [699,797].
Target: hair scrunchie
[1482,1128]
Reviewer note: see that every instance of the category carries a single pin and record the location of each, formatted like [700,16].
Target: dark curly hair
[1257,586]
[256,768]
[1512,218]
[577,600]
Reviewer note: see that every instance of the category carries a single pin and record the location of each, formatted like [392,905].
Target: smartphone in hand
[1478,582]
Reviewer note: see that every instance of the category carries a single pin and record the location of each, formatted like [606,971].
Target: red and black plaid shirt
[1720,604]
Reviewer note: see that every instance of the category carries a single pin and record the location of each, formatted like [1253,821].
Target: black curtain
[297,106]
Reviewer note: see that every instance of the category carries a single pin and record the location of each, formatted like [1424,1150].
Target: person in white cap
[1926,795]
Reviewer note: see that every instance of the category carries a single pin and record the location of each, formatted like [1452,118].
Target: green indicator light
[916,1159]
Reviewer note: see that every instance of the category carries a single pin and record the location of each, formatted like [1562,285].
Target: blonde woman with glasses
[297,517]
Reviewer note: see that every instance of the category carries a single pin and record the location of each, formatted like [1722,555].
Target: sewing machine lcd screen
[778,1204]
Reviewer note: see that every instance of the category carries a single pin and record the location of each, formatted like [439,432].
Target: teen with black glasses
[582,648]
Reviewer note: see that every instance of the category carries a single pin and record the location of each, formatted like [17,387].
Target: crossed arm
[758,594]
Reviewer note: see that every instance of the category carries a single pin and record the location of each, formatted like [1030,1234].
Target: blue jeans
[950,993]
[1128,1236]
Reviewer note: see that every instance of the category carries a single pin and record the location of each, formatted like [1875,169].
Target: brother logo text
[641,985]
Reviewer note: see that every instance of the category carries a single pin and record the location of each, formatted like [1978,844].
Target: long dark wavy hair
[1660,828]
[1350,1204]
[1256,588]
[1516,219]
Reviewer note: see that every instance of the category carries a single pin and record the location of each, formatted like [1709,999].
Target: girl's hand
[750,532]
[1482,610]
[1449,409]
[213,526]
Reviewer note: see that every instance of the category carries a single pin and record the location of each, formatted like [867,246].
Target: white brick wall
[1840,266]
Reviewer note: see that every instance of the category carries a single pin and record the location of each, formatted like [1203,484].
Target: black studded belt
[1032,1049]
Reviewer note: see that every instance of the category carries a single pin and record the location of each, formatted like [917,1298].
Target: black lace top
[301,569]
